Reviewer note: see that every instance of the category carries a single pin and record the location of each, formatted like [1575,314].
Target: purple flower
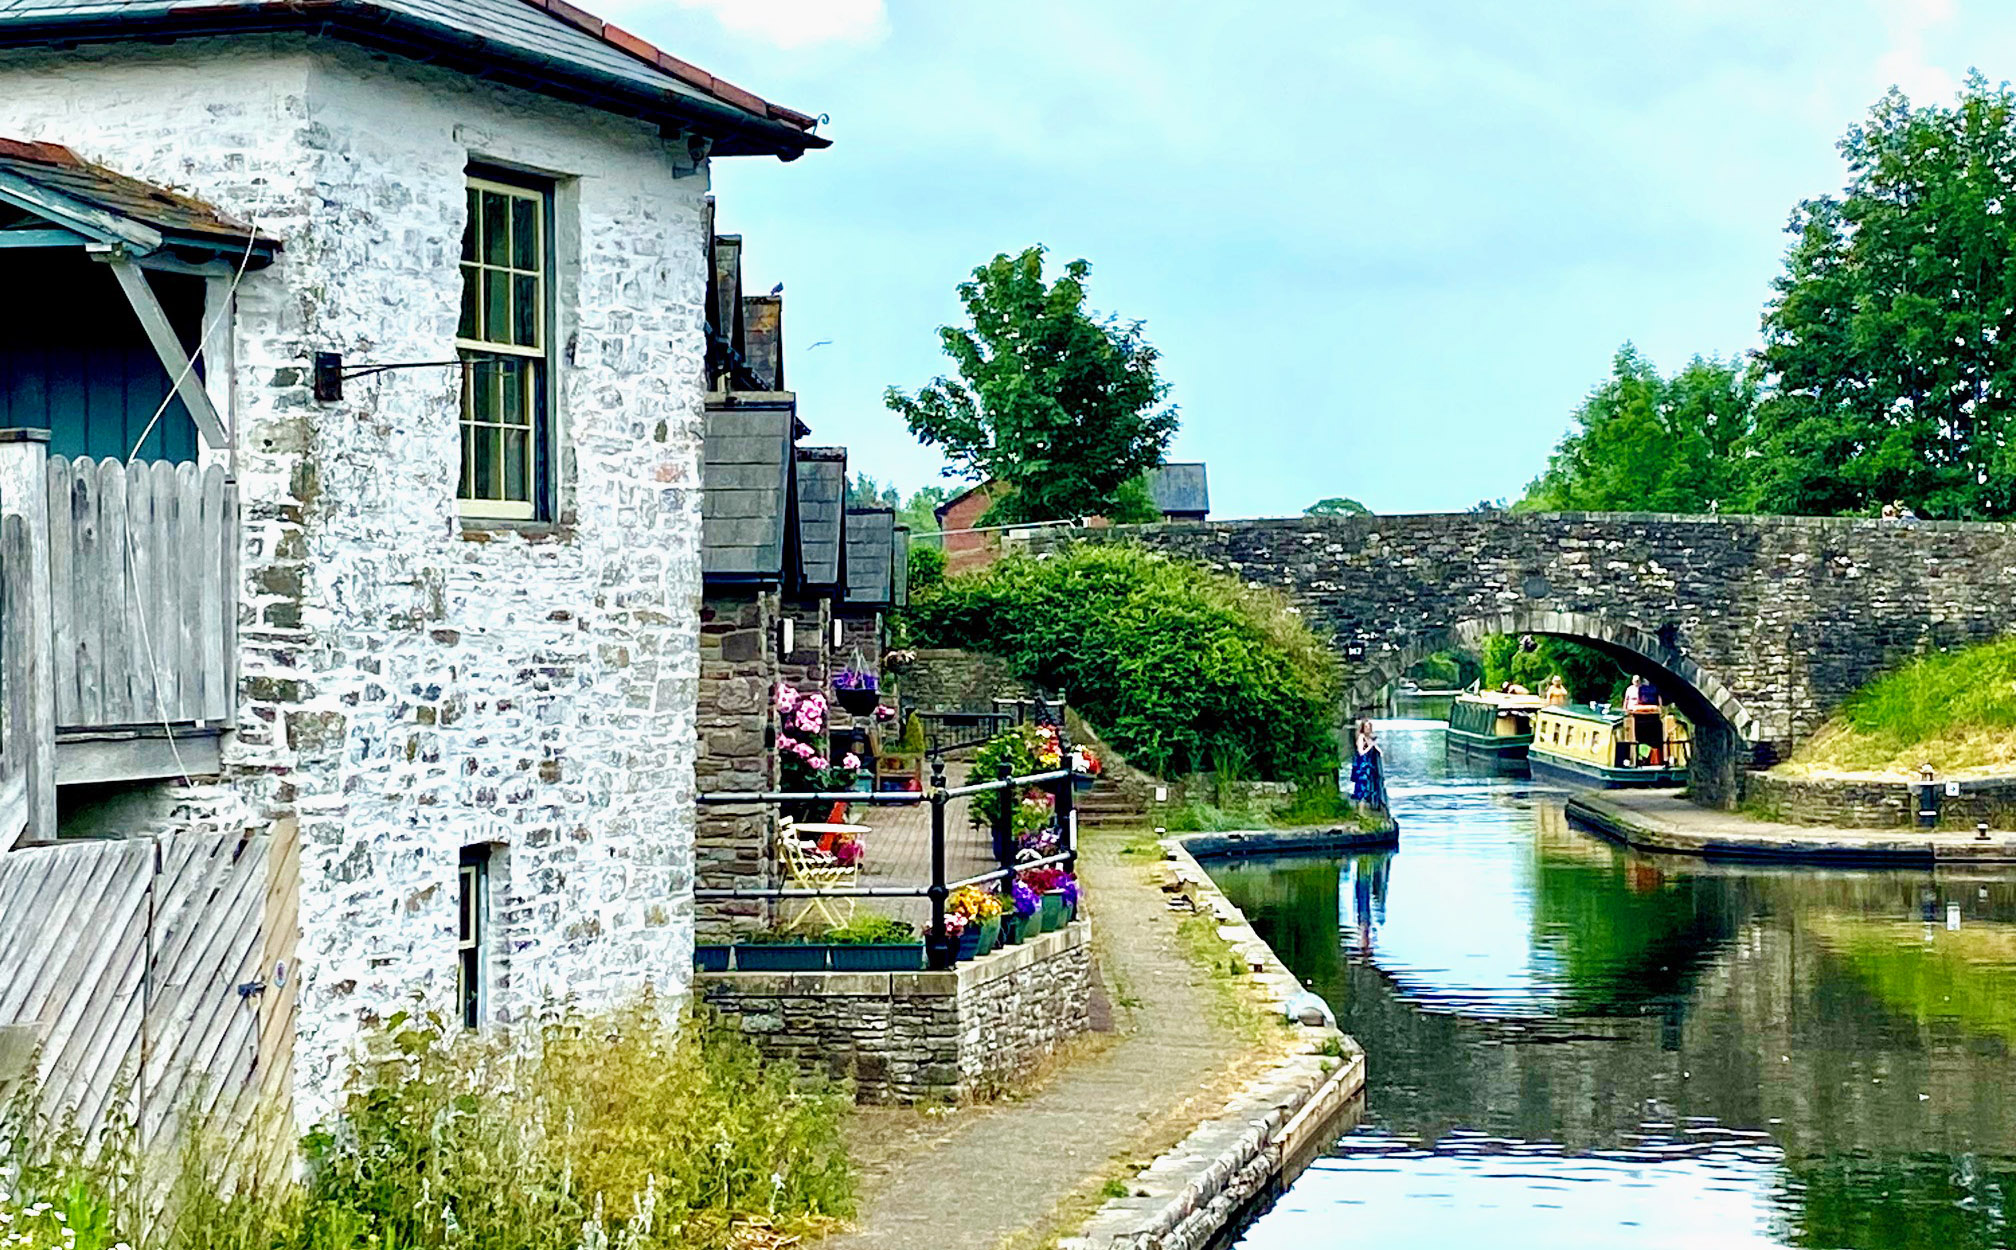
[1070,888]
[1026,900]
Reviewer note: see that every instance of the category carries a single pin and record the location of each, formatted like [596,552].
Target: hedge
[1180,668]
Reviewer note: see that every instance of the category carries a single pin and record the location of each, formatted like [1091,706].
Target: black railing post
[1067,793]
[940,951]
[1004,819]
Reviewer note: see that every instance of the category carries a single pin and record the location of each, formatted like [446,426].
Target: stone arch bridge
[1757,626]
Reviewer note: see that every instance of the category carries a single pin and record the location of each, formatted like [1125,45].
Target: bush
[1182,669]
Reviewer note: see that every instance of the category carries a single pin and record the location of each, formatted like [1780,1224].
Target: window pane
[465,487]
[484,470]
[496,307]
[469,227]
[525,234]
[525,309]
[518,465]
[511,386]
[472,304]
[496,229]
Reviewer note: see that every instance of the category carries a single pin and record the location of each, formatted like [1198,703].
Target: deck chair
[809,868]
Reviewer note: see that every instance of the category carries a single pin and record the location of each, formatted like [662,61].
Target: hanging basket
[857,702]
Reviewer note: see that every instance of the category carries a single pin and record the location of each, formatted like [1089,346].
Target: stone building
[460,413]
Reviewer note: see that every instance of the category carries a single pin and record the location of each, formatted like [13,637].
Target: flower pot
[878,957]
[969,944]
[711,958]
[1014,928]
[785,957]
[990,933]
[1070,912]
[1053,911]
[858,702]
[1083,781]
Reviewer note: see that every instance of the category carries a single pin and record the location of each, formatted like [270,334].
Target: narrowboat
[1491,724]
[1606,748]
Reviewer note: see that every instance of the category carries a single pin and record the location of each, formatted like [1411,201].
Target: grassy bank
[1955,710]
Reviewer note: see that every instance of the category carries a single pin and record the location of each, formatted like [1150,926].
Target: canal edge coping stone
[1765,840]
[1267,1134]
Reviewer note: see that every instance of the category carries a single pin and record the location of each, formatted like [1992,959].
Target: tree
[1055,402]
[1590,675]
[865,492]
[1337,505]
[1644,443]
[1890,348]
[921,513]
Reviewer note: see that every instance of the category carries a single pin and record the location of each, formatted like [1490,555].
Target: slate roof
[544,45]
[43,183]
[822,494]
[1179,489]
[745,475]
[871,548]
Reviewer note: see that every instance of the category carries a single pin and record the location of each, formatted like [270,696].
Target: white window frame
[472,905]
[540,424]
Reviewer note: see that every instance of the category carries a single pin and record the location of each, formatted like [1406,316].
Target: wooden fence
[17,681]
[124,961]
[141,563]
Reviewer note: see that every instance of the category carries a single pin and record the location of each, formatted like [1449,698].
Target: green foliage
[871,930]
[1133,504]
[920,515]
[927,569]
[1337,506]
[865,492]
[1954,709]
[1024,750]
[1447,670]
[1315,802]
[1890,348]
[1055,402]
[610,1130]
[1644,443]
[1591,676]
[1182,669]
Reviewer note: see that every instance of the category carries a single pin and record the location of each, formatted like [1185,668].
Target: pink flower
[817,763]
[803,751]
[850,761]
[786,742]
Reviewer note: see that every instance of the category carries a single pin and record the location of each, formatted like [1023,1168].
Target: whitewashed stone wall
[410,688]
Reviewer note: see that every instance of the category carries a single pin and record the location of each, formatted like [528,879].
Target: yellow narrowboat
[1600,746]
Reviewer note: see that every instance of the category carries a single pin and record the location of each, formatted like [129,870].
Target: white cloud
[797,23]
[1906,63]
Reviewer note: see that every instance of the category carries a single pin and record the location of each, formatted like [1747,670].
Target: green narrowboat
[1491,724]
[1607,748]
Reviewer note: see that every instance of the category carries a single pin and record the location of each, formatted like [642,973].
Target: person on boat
[1557,691]
[1368,771]
[1641,696]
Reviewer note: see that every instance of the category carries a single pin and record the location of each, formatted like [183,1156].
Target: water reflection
[1565,1037]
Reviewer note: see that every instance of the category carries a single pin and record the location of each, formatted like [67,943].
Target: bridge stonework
[1758,626]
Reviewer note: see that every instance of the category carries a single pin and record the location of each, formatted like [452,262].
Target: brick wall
[958,681]
[910,1037]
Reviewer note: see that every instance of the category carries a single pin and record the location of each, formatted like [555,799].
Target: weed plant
[612,1131]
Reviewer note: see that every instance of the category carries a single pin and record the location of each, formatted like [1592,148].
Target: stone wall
[1759,626]
[1842,803]
[958,681]
[737,724]
[909,1037]
[411,685]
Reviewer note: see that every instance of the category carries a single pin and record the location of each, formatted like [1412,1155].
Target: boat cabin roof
[1505,702]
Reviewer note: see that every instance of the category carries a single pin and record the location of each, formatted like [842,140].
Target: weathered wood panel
[140,564]
[122,962]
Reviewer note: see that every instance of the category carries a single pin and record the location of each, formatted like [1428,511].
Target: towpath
[1015,1172]
[1661,820]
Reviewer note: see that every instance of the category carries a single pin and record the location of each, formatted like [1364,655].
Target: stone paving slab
[1661,820]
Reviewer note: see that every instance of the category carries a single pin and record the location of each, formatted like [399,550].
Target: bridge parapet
[1759,625]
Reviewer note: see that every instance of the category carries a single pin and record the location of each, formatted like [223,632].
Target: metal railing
[940,947]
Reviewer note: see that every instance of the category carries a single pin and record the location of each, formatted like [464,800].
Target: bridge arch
[1676,675]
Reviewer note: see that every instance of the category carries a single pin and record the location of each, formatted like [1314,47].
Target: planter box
[990,933]
[795,957]
[969,945]
[712,958]
[1053,911]
[1014,929]
[894,957]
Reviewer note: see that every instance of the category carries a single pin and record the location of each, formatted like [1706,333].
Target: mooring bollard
[1928,799]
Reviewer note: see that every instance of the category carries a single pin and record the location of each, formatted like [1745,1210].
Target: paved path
[1660,820]
[971,1178]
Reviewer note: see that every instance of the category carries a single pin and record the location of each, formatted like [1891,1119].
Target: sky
[1385,249]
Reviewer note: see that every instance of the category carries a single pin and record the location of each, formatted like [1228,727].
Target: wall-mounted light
[787,637]
[839,634]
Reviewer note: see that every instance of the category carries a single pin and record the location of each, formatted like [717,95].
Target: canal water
[1572,1045]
